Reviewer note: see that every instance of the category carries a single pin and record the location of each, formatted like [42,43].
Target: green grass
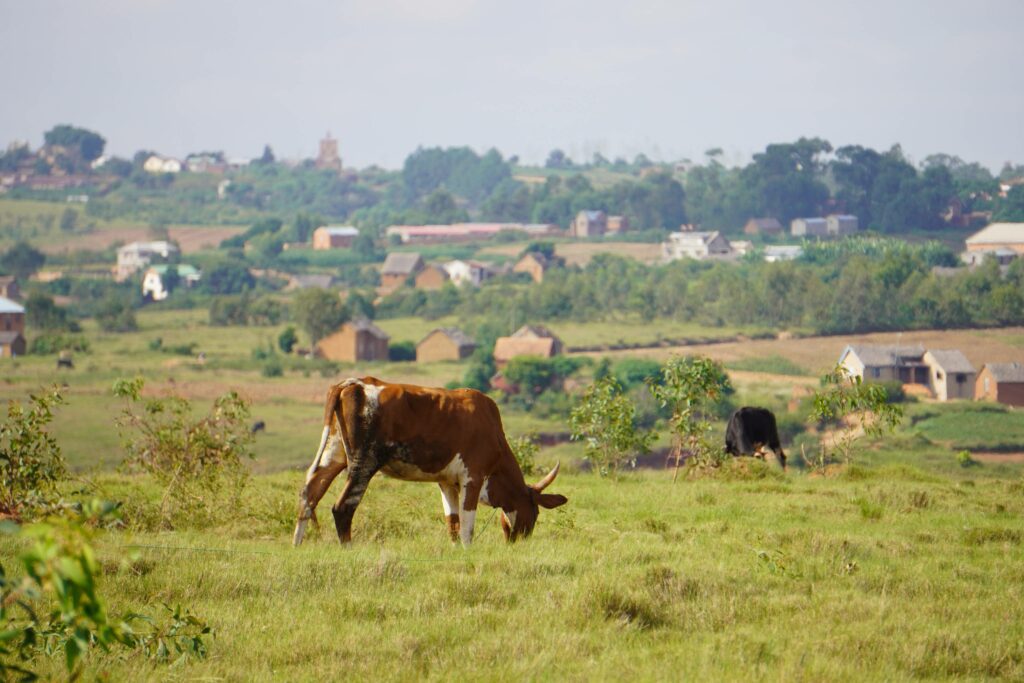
[973,426]
[775,365]
[892,577]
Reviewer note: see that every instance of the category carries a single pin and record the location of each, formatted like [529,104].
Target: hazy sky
[670,79]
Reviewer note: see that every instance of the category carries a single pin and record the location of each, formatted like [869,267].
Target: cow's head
[519,522]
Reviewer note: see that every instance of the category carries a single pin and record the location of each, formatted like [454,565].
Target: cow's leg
[358,479]
[450,503]
[316,486]
[467,510]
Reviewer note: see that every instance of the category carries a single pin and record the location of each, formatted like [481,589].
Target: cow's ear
[551,500]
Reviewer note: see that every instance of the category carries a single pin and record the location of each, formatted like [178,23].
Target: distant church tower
[328,157]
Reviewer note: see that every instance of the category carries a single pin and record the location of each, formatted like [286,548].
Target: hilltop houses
[398,268]
[462,232]
[1002,241]
[946,373]
[445,343]
[695,245]
[1001,382]
[528,340]
[536,264]
[12,328]
[589,224]
[131,258]
[468,272]
[769,227]
[835,225]
[356,340]
[154,280]
[334,237]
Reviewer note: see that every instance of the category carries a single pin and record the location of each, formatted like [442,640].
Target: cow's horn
[550,477]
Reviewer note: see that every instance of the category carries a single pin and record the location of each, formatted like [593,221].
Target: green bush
[199,462]
[31,462]
[51,342]
[402,351]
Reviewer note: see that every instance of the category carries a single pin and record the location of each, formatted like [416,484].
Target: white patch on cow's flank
[455,471]
[331,448]
[372,393]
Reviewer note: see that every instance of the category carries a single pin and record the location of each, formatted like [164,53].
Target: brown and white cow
[451,437]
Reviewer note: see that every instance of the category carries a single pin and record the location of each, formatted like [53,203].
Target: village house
[153,280]
[1003,241]
[445,343]
[809,227]
[589,224]
[432,277]
[536,264]
[763,226]
[357,340]
[161,164]
[695,245]
[841,225]
[206,162]
[946,373]
[1001,382]
[774,253]
[398,268]
[334,237]
[617,225]
[528,340]
[12,328]
[131,258]
[328,158]
[9,287]
[467,272]
[309,281]
[951,375]
[462,232]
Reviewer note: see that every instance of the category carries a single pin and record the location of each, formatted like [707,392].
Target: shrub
[691,387]
[605,418]
[287,340]
[402,351]
[964,459]
[49,343]
[198,462]
[856,409]
[31,463]
[272,367]
[525,449]
[61,567]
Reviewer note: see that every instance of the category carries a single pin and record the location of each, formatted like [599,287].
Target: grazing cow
[751,431]
[453,438]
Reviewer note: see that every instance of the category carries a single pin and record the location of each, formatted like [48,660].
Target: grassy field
[881,574]
[904,566]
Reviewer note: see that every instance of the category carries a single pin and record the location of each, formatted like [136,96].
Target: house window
[961,378]
[938,374]
[876,372]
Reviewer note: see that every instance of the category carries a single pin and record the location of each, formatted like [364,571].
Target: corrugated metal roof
[365,325]
[507,348]
[998,233]
[884,356]
[401,263]
[458,337]
[1006,372]
[8,306]
[340,230]
[951,360]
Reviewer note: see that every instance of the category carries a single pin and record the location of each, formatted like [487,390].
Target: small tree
[199,462]
[690,387]
[286,340]
[525,450]
[855,408]
[31,463]
[605,417]
[318,312]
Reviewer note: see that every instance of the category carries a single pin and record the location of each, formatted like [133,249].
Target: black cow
[750,431]
[258,426]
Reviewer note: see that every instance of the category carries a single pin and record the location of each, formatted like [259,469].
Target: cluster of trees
[856,286]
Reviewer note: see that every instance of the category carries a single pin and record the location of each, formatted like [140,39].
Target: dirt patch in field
[996,458]
[817,354]
[190,238]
